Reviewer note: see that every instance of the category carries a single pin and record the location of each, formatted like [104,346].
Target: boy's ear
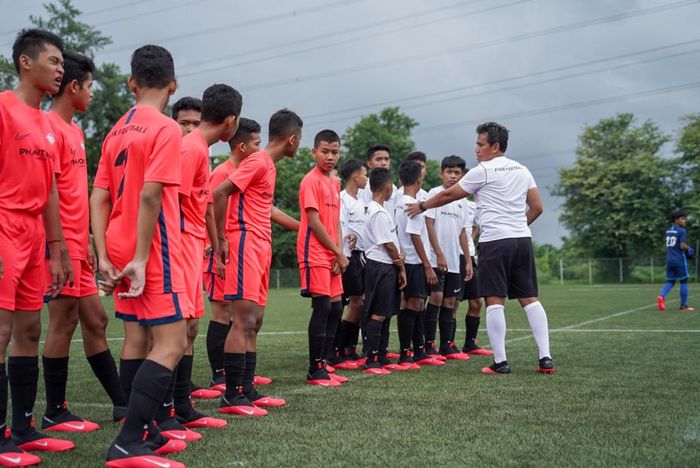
[172,87]
[131,83]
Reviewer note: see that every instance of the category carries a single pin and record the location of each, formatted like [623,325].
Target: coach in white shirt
[507,201]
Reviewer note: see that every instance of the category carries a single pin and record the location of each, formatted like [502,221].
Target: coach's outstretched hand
[135,272]
[412,209]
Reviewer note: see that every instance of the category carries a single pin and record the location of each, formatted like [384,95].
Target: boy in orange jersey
[245,142]
[187,112]
[221,110]
[28,196]
[248,246]
[80,302]
[135,218]
[320,254]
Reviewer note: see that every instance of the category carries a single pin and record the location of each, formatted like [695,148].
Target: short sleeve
[308,198]
[214,181]
[189,170]
[473,180]
[531,183]
[163,165]
[250,170]
[380,224]
[415,225]
[102,176]
[343,213]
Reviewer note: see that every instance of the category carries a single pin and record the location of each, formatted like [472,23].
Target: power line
[240,24]
[147,13]
[499,81]
[362,27]
[433,54]
[534,83]
[564,107]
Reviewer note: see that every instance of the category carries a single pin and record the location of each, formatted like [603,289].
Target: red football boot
[260,380]
[240,405]
[206,393]
[11,455]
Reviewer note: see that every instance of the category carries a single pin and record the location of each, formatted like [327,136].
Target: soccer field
[626,394]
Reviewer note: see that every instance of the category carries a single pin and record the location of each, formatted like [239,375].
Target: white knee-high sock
[496,327]
[538,324]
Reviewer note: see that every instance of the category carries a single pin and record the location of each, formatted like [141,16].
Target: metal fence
[563,271]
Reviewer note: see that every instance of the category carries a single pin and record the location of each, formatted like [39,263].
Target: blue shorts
[676,271]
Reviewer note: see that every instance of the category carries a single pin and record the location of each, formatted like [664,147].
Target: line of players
[152,208]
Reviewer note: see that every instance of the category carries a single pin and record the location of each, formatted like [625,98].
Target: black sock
[384,343]
[216,337]
[472,324]
[418,333]
[3,399]
[331,328]
[453,329]
[149,387]
[23,376]
[345,335]
[105,370]
[165,410]
[234,363]
[431,320]
[374,337]
[181,394]
[320,310]
[127,370]
[249,371]
[445,323]
[406,321]
[55,381]
[354,337]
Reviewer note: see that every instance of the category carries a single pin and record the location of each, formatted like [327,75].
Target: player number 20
[670,241]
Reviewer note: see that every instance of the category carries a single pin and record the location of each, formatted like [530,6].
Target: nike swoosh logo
[352,213]
[153,462]
[457,290]
[27,415]
[21,137]
[324,384]
[14,460]
[178,436]
[78,427]
[43,444]
[248,412]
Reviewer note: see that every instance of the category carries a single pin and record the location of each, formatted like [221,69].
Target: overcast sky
[543,68]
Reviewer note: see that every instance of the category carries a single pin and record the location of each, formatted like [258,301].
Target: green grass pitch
[626,394]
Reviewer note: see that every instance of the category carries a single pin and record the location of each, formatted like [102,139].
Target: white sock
[496,328]
[538,324]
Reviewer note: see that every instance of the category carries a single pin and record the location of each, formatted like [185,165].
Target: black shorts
[449,284]
[507,268]
[354,276]
[471,287]
[381,288]
[416,283]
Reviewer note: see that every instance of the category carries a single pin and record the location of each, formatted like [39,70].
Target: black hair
[453,161]
[152,66]
[379,178]
[186,103]
[416,156]
[31,42]
[350,167]
[327,135]
[409,172]
[75,67]
[374,148]
[283,124]
[219,102]
[677,214]
[246,128]
[495,133]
